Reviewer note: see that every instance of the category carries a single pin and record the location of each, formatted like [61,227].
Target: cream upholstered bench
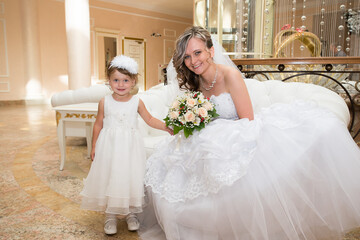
[158,99]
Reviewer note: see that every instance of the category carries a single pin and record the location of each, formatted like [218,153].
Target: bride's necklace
[213,82]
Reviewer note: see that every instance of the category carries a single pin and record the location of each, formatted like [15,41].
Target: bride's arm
[239,93]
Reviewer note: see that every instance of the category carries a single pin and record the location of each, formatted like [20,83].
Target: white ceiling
[181,8]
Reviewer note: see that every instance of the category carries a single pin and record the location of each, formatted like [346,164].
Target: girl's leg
[132,222]
[110,226]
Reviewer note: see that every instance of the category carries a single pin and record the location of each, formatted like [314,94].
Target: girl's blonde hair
[112,69]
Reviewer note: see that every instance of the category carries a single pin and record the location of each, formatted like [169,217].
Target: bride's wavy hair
[188,79]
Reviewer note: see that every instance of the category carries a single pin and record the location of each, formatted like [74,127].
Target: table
[75,120]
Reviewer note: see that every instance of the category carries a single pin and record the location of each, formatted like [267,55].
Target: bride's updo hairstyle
[188,79]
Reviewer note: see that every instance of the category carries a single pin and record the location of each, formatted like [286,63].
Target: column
[78,41]
[32,64]
[259,27]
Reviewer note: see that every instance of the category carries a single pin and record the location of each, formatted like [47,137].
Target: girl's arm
[98,125]
[150,120]
[239,94]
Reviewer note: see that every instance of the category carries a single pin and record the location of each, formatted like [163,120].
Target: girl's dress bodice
[120,114]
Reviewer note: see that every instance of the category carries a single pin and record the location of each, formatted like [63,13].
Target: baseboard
[11,103]
[39,101]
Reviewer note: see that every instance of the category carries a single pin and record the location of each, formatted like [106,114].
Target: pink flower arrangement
[286,26]
[189,112]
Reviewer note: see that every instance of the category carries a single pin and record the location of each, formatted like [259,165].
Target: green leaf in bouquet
[213,113]
[201,126]
[187,132]
[166,120]
[177,129]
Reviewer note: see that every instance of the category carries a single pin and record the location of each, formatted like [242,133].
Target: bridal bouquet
[190,112]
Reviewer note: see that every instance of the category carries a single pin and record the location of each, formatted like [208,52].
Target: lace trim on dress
[207,172]
[224,106]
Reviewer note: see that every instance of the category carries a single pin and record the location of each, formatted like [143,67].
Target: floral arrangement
[190,112]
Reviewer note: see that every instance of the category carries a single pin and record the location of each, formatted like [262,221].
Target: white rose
[190,102]
[175,104]
[200,99]
[203,112]
[208,106]
[189,116]
[197,121]
[174,114]
[182,119]
[187,95]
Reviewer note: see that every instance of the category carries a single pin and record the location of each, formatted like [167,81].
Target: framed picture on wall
[169,47]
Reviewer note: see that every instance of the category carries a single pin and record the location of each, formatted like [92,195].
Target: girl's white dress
[115,180]
[292,173]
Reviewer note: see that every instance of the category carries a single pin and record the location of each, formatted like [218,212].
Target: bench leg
[62,143]
[89,137]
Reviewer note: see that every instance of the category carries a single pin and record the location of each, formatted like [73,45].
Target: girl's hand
[92,154]
[170,131]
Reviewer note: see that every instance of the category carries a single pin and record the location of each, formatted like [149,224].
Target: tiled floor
[37,201]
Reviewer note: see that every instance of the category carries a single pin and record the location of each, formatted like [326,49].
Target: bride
[289,172]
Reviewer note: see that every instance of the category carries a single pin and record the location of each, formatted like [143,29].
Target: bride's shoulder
[228,70]
[230,73]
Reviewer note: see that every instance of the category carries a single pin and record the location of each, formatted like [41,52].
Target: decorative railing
[339,74]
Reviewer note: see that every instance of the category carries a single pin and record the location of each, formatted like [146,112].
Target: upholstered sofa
[158,99]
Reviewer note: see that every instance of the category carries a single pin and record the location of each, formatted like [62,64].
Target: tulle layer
[115,181]
[187,168]
[301,181]
[113,205]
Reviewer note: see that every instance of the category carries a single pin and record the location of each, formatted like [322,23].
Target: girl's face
[121,84]
[197,56]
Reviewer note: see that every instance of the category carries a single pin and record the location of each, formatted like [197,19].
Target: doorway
[106,45]
[136,49]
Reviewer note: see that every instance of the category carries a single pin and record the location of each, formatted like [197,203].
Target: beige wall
[12,75]
[129,22]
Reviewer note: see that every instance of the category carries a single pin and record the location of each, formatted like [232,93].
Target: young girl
[115,180]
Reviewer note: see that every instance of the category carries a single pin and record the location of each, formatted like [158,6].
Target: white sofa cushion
[263,94]
[90,94]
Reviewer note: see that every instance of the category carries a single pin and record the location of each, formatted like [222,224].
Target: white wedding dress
[292,173]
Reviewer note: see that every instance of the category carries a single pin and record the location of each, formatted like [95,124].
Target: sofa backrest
[265,93]
[82,95]
[158,98]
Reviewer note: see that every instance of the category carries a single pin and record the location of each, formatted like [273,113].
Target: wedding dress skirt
[292,173]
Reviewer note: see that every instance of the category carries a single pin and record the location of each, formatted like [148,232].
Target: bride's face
[197,57]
